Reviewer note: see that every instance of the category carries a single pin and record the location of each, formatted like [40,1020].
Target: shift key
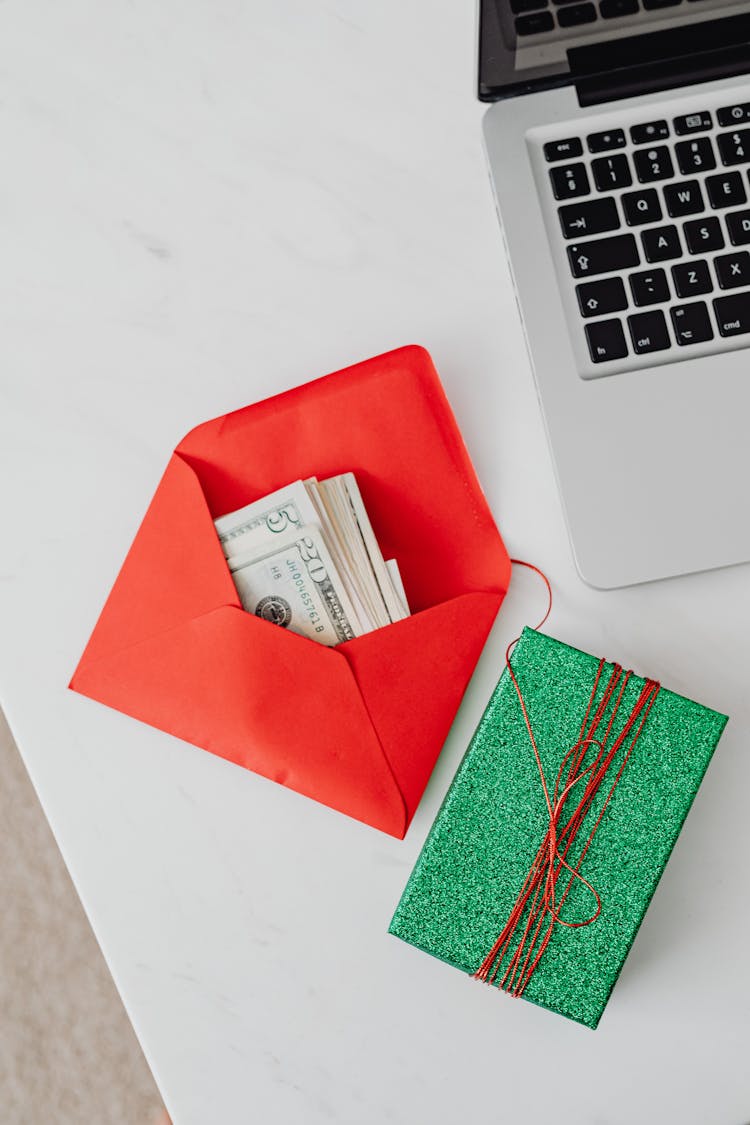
[603,255]
[733,314]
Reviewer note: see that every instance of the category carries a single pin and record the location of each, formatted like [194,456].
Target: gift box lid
[484,839]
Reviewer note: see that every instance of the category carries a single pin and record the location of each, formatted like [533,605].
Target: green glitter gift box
[509,855]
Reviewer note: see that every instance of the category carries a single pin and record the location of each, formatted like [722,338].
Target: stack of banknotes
[306,558]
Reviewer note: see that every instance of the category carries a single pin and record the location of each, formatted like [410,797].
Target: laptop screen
[527,45]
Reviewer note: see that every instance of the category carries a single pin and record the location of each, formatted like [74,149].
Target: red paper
[360,726]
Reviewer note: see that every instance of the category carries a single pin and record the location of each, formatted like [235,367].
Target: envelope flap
[174,571]
[388,421]
[261,697]
[413,676]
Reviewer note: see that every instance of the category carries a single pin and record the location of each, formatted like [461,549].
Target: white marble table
[203,202]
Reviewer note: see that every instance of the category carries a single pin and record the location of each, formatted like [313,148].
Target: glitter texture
[494,817]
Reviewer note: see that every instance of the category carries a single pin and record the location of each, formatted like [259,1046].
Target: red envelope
[360,726]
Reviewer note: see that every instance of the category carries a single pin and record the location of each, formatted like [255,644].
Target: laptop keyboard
[654,222]
[535,17]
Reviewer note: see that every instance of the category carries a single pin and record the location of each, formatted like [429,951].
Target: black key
[691,324]
[696,155]
[684,198]
[734,148]
[733,270]
[649,132]
[603,255]
[576,14]
[606,341]
[613,9]
[653,164]
[692,278]
[569,180]
[651,4]
[733,114]
[703,234]
[738,225]
[534,23]
[599,297]
[649,287]
[648,331]
[692,123]
[601,142]
[733,314]
[611,172]
[563,150]
[661,243]
[518,6]
[641,207]
[727,190]
[594,216]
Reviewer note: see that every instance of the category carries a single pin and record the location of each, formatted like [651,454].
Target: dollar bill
[288,509]
[293,582]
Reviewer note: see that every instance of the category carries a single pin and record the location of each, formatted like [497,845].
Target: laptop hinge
[662,60]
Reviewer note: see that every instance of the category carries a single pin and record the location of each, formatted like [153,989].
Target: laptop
[619,151]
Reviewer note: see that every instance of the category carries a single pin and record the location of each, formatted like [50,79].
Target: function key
[692,123]
[734,148]
[611,172]
[569,181]
[653,164]
[606,341]
[696,155]
[604,255]
[692,324]
[563,150]
[733,114]
[649,132]
[534,23]
[613,9]
[591,216]
[576,14]
[601,142]
[648,332]
[652,4]
[596,298]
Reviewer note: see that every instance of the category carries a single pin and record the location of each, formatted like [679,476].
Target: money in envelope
[356,725]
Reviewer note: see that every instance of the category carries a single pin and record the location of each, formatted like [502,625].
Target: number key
[704,234]
[692,278]
[653,164]
[695,156]
[569,180]
[611,172]
[734,148]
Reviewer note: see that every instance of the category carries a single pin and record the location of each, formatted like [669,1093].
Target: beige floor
[68,1055]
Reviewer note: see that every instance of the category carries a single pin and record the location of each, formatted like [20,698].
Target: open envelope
[359,726]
